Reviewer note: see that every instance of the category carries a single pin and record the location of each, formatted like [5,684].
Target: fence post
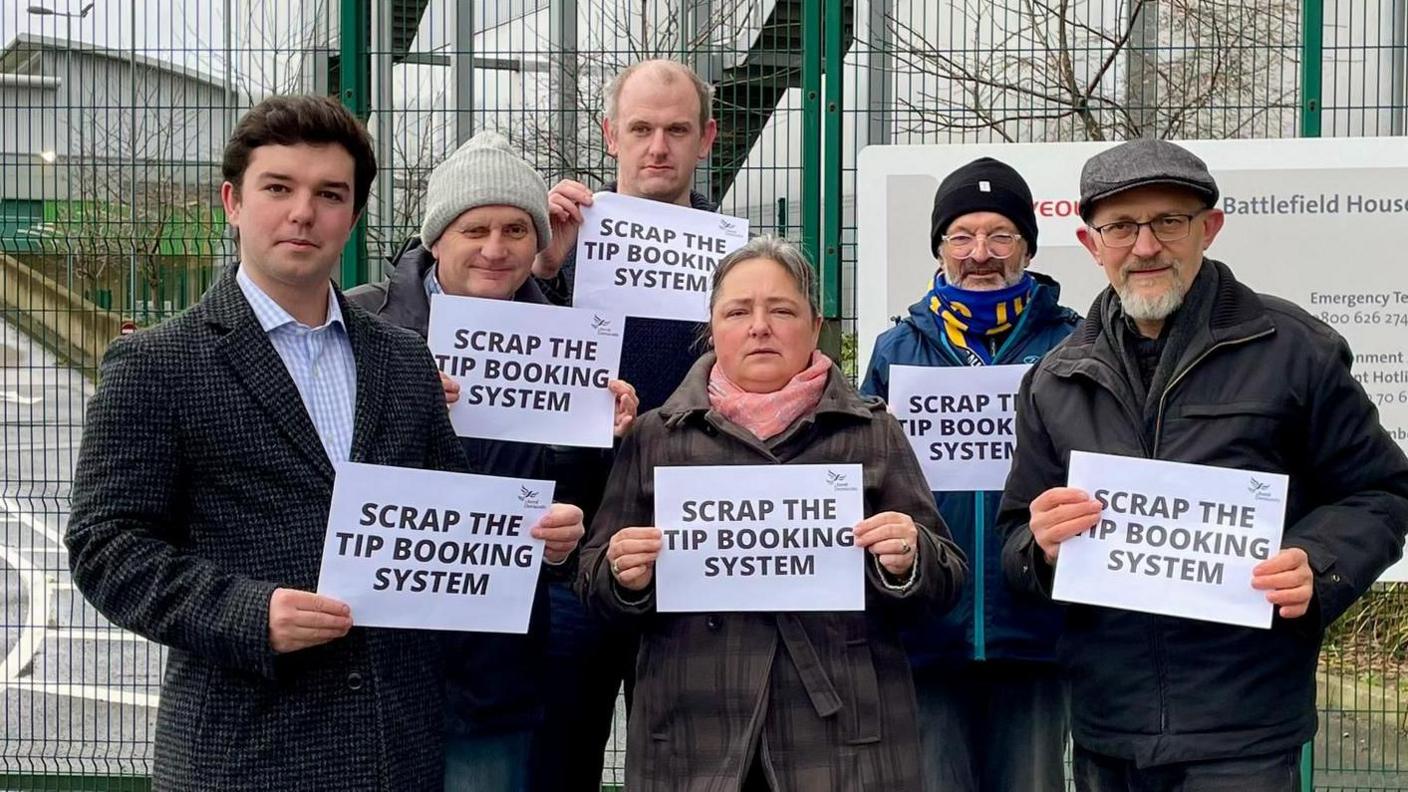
[834,161]
[354,70]
[1312,60]
[831,197]
[811,130]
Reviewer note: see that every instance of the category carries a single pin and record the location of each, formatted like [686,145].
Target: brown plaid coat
[826,698]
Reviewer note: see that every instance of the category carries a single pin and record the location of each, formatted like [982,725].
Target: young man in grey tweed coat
[202,490]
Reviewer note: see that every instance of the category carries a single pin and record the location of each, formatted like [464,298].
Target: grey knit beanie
[484,172]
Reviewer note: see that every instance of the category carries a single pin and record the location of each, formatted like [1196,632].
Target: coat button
[1334,578]
[714,623]
[710,430]
[354,681]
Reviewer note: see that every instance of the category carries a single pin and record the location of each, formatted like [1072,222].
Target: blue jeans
[488,763]
[993,727]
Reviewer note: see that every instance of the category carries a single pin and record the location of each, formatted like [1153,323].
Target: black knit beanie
[983,185]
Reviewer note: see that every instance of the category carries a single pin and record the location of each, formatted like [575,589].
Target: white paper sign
[959,422]
[649,258]
[427,549]
[759,538]
[1174,538]
[529,373]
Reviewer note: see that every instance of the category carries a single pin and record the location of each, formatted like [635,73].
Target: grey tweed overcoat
[201,486]
[824,700]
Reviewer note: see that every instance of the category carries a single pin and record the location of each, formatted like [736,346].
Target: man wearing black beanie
[984,308]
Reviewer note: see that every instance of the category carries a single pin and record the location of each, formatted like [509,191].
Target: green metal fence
[112,117]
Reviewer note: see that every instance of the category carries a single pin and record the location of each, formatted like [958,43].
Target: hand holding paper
[627,404]
[892,538]
[566,218]
[560,529]
[1287,580]
[452,388]
[1060,513]
[302,619]
[632,553]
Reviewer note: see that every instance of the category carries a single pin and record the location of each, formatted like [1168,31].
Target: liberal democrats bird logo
[598,323]
[833,478]
[1258,488]
[525,494]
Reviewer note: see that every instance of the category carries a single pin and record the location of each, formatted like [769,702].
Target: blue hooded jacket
[991,621]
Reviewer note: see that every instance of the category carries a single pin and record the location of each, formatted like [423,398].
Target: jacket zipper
[1159,660]
[1163,397]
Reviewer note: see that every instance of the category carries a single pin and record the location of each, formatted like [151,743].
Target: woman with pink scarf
[777,701]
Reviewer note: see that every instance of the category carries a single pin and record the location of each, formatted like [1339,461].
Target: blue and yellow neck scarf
[969,318]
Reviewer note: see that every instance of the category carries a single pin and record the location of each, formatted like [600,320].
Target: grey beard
[1151,309]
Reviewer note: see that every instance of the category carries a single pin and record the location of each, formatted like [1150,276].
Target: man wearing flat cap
[983,308]
[486,219]
[1177,360]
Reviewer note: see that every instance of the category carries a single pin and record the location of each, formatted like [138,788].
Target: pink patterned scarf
[767,414]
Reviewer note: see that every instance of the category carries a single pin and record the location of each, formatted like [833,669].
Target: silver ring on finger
[615,569]
[905,549]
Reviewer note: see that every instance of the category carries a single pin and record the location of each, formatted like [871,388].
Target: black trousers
[1278,772]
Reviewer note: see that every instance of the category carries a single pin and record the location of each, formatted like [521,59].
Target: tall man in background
[658,126]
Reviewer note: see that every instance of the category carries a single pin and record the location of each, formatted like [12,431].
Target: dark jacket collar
[1045,309]
[692,396]
[1237,313]
[407,305]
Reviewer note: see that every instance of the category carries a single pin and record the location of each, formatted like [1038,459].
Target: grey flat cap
[1137,163]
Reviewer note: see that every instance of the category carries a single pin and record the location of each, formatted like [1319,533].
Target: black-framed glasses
[1165,228]
[1000,245]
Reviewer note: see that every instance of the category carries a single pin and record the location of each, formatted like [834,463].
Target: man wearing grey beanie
[486,218]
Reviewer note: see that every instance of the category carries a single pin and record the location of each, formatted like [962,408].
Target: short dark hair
[294,119]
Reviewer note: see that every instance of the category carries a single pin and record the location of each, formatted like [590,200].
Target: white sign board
[427,549]
[959,422]
[1173,538]
[759,538]
[648,258]
[1291,204]
[529,373]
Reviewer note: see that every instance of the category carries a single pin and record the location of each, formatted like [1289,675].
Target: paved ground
[76,693]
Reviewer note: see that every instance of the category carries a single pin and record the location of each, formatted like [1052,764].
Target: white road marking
[36,620]
[14,398]
[95,633]
[131,696]
[12,506]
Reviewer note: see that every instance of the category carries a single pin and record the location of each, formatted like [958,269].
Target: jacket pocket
[861,696]
[1263,409]
[651,705]
[1256,435]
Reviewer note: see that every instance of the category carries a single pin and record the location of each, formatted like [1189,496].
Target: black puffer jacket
[1259,385]
[493,679]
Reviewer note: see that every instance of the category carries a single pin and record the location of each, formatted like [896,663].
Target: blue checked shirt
[320,361]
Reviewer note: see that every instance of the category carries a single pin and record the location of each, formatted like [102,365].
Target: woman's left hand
[892,538]
[626,405]
[560,529]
